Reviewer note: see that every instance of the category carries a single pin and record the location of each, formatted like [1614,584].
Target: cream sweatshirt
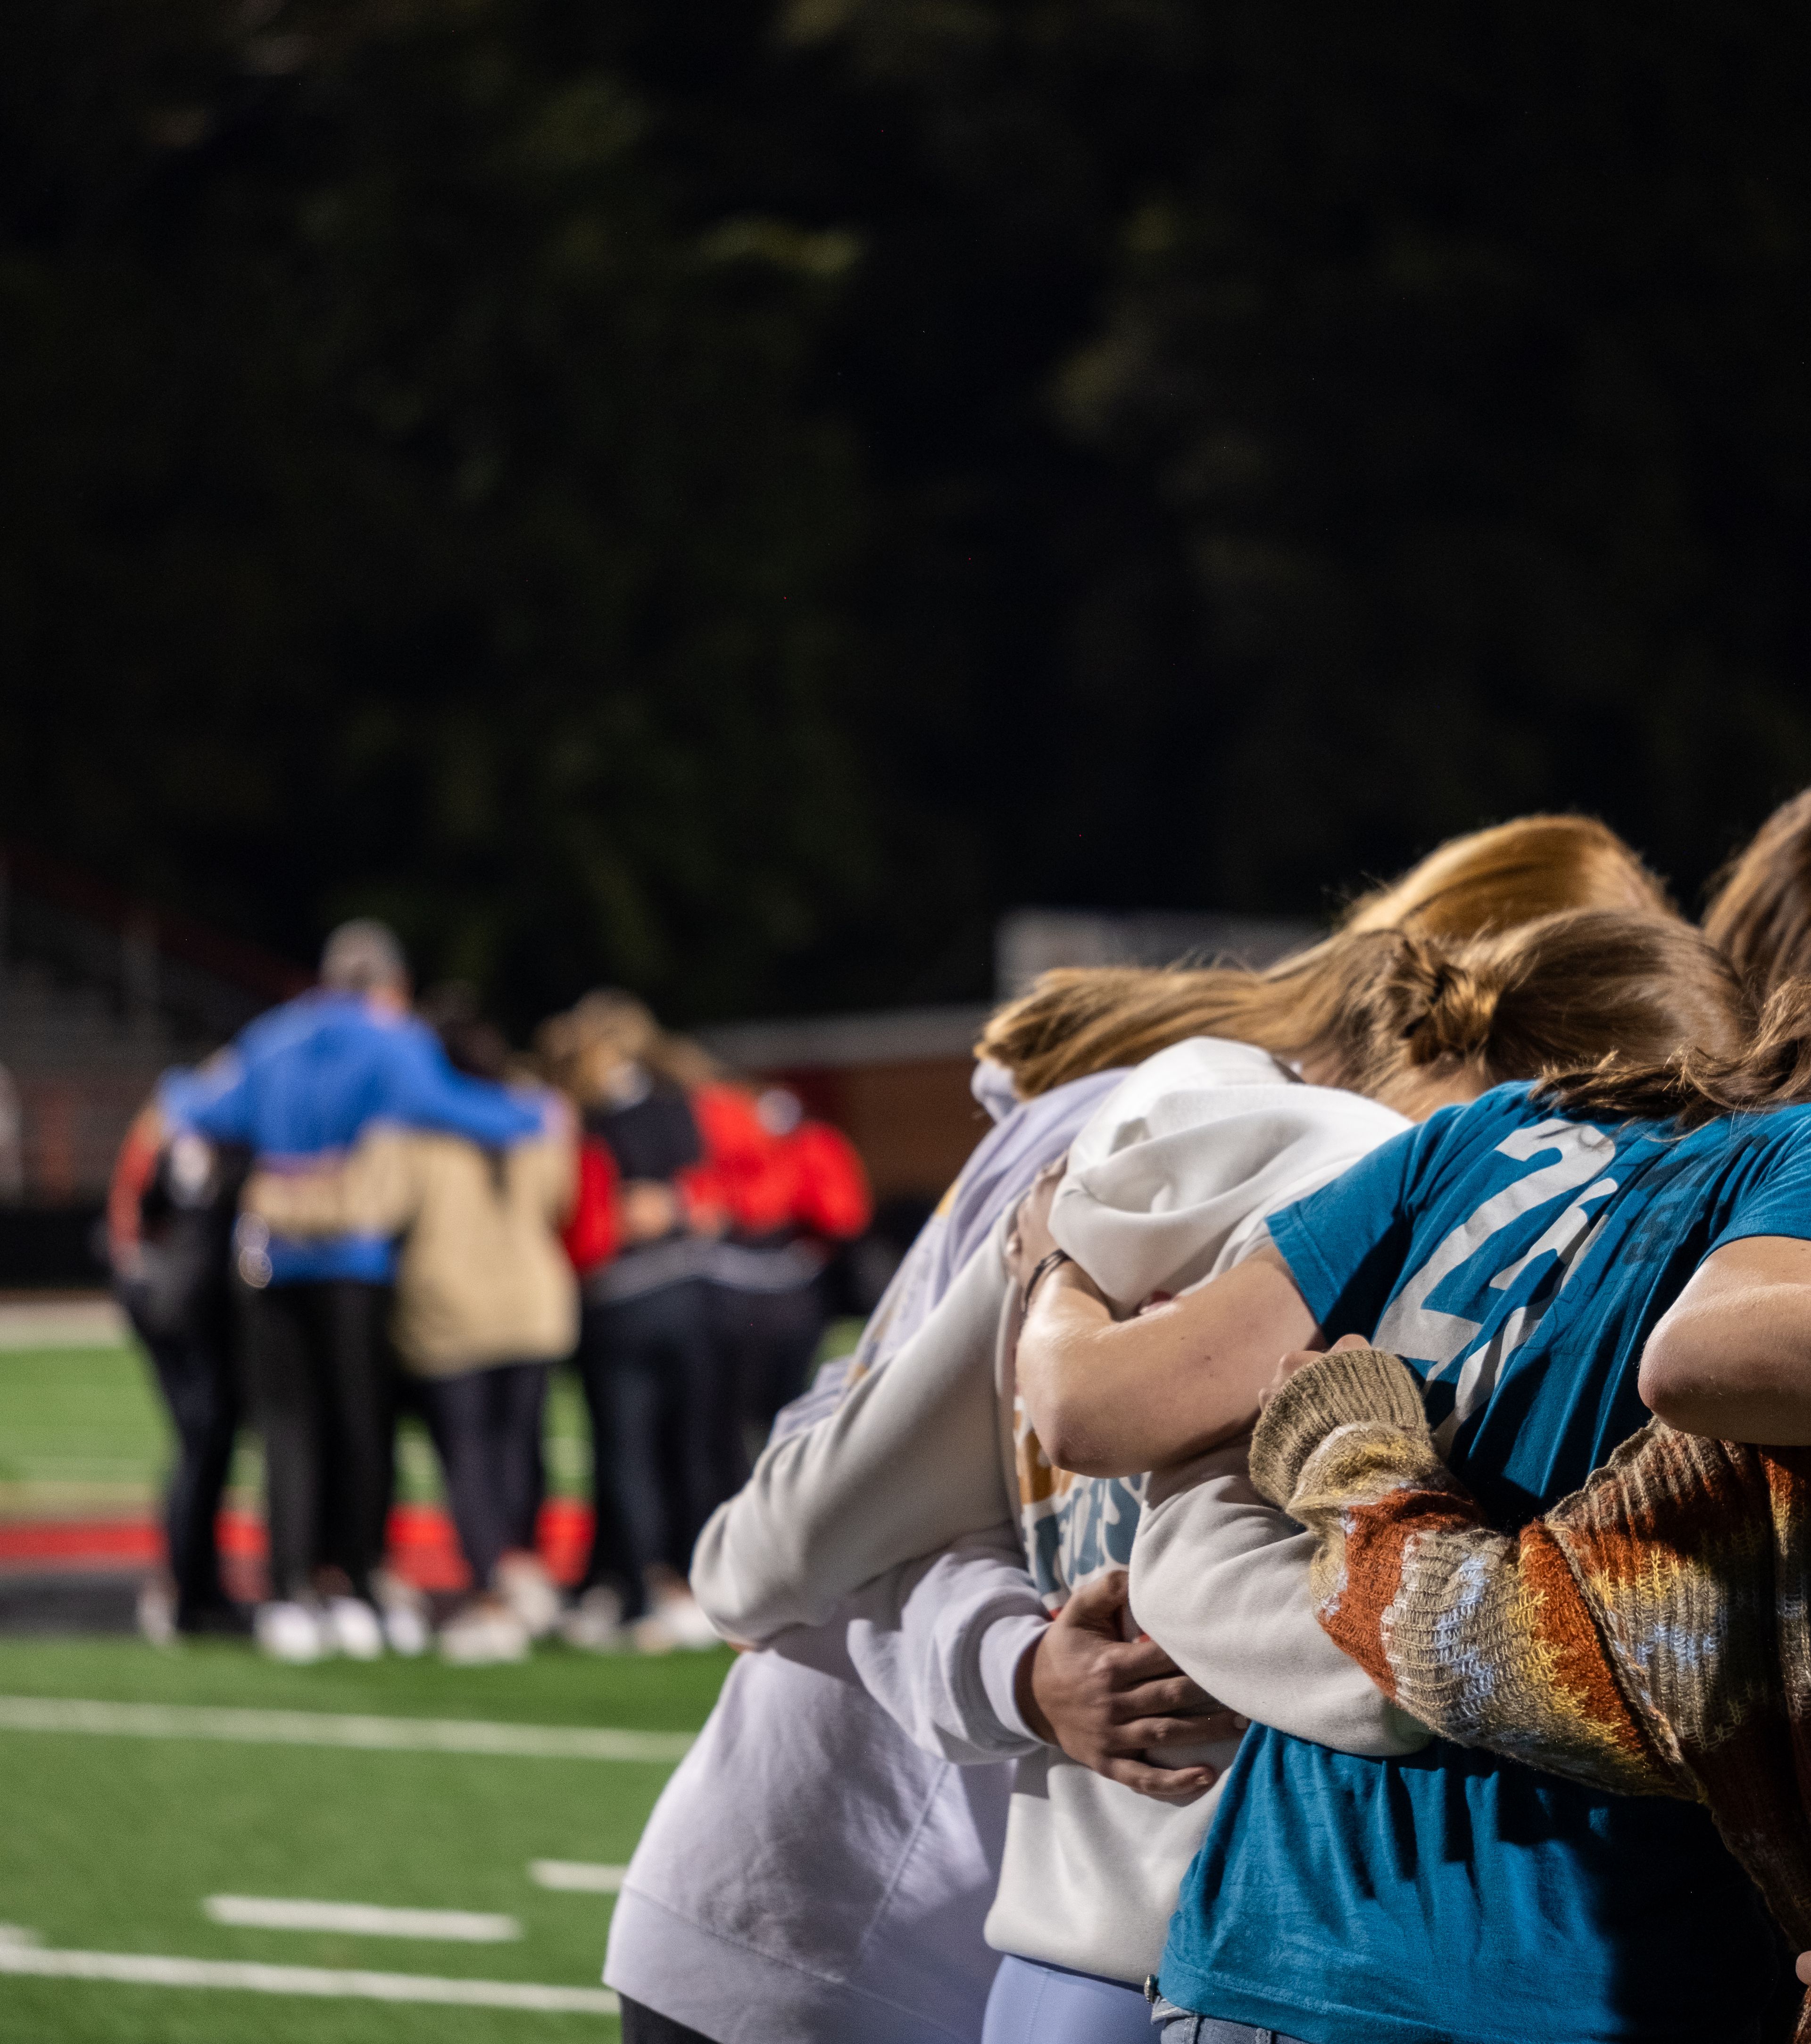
[1169,1184]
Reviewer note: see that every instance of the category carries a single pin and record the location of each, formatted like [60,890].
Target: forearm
[1489,1640]
[1741,1375]
[938,1643]
[133,1170]
[1732,1358]
[1220,1580]
[910,1460]
[1116,1397]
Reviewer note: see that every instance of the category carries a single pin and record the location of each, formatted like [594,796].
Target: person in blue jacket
[305,1080]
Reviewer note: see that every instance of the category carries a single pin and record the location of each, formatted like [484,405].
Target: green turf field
[81,1430]
[112,1843]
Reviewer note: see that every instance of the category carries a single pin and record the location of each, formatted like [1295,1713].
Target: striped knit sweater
[1650,1634]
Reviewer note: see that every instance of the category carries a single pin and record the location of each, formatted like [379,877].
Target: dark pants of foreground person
[660,1414]
[319,1374]
[643,2026]
[486,1425]
[195,1373]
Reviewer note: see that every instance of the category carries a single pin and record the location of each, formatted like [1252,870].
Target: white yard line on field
[578,1877]
[93,1321]
[151,1969]
[360,1920]
[376,1734]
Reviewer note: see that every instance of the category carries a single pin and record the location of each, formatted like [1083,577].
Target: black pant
[659,1408]
[769,1339]
[644,2025]
[195,1373]
[486,1426]
[318,1369]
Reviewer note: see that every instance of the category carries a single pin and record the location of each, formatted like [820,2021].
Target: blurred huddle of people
[359,1209]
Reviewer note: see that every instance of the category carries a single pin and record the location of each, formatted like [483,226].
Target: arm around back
[373,1190]
[1220,1580]
[1730,1359]
[421,1087]
[910,1460]
[937,1644]
[1114,1397]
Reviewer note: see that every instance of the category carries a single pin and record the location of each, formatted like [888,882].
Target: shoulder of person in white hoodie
[1172,1177]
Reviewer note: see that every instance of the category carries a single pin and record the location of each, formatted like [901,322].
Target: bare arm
[1116,1397]
[1732,1357]
[1120,1706]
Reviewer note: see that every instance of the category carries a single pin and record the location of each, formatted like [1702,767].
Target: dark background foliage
[726,498]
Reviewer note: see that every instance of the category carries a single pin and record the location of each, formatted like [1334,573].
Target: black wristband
[1045,1265]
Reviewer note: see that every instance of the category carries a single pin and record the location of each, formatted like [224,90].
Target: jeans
[1033,2003]
[1182,2025]
[487,1428]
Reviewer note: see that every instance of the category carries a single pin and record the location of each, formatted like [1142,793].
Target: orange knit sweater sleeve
[1647,1634]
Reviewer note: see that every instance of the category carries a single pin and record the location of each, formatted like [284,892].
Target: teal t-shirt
[1516,1260]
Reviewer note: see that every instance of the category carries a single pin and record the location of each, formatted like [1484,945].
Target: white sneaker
[157,1611]
[354,1628]
[290,1632]
[404,1612]
[484,1634]
[652,1635]
[681,1615]
[525,1585]
[595,1621]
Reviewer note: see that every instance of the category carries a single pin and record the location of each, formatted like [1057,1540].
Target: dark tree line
[727,497]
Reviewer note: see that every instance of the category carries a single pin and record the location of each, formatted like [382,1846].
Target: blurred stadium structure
[99,993]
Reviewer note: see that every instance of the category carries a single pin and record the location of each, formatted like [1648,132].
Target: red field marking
[79,1543]
[423,1547]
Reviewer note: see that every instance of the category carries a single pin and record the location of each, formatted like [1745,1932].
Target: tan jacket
[481,1277]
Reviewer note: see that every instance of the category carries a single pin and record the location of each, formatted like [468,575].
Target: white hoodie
[810,1873]
[1170,1183]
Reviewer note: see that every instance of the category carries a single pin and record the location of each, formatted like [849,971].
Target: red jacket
[593,1234]
[756,1182]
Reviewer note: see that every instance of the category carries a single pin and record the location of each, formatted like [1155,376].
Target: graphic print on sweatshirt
[1075,1527]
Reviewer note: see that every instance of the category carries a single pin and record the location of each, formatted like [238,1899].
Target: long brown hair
[1700,1083]
[1760,914]
[1090,1019]
[1584,1003]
